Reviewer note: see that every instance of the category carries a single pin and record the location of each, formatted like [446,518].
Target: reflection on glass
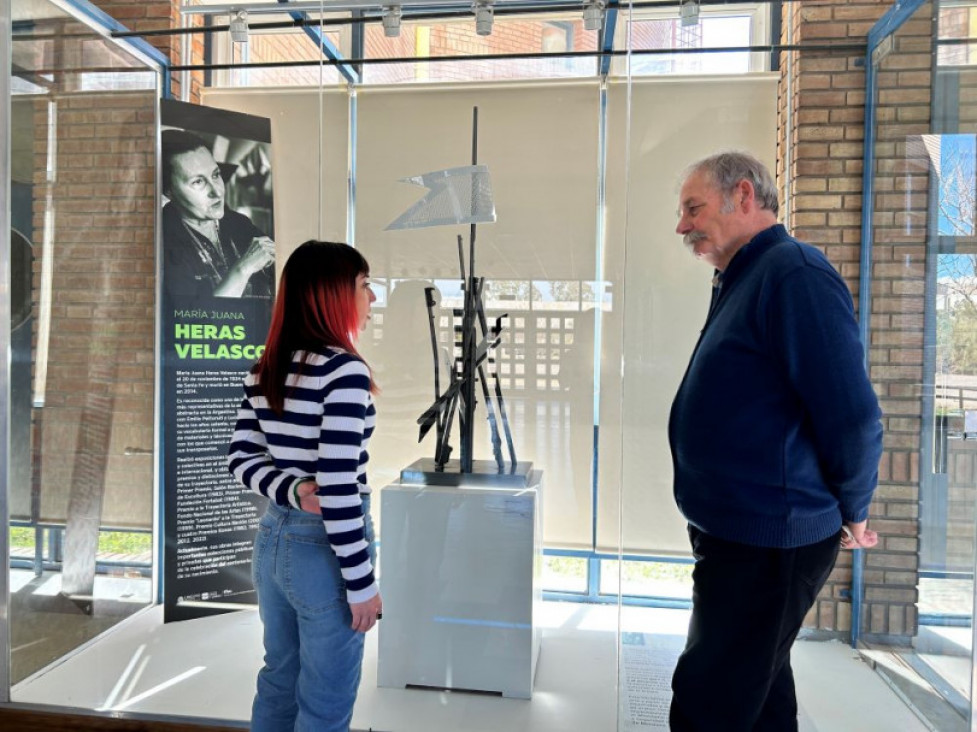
[923,360]
[545,366]
[458,38]
[951,159]
[82,374]
[957,185]
[955,24]
[671,580]
[708,33]
[947,554]
[564,574]
[299,45]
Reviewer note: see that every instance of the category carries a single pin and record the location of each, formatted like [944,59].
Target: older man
[775,438]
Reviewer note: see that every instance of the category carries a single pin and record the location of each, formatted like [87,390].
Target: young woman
[300,441]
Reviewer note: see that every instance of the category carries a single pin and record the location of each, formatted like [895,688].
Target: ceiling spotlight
[689,12]
[391,21]
[239,26]
[484,15]
[593,15]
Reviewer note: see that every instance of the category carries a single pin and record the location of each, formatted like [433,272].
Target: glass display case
[587,118]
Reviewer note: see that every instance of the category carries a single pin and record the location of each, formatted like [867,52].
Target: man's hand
[365,614]
[857,536]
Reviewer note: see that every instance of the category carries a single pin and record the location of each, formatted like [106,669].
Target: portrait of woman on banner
[217,217]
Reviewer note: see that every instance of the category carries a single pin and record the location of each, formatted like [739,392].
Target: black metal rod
[430,302]
[505,421]
[493,422]
[474,193]
[296,23]
[853,48]
[408,16]
[444,452]
[468,326]
[461,256]
[500,402]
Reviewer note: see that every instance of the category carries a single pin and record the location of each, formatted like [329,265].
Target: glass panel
[82,373]
[565,574]
[671,33]
[655,31]
[665,294]
[553,262]
[956,23]
[539,260]
[303,47]
[546,356]
[647,579]
[922,326]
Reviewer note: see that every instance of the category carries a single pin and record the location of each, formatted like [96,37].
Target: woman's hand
[857,536]
[259,255]
[365,613]
[308,499]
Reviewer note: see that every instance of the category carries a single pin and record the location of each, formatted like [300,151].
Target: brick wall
[94,215]
[93,159]
[150,16]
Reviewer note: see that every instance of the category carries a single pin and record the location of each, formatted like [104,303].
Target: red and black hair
[315,307]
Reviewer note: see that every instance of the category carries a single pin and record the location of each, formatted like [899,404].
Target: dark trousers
[748,604]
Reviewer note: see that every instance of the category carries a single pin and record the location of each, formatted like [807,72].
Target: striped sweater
[322,432]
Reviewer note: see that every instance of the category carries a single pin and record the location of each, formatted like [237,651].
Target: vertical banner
[218,274]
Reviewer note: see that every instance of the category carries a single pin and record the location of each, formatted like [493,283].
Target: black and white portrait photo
[217,220]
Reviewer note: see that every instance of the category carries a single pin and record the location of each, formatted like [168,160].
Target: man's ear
[745,195]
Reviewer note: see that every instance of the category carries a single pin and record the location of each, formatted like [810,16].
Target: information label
[217,275]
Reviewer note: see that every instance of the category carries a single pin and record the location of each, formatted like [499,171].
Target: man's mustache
[693,237]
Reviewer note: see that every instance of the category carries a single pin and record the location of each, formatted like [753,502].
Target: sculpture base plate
[484,473]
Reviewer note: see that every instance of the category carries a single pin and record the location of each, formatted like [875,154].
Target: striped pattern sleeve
[347,415]
[249,459]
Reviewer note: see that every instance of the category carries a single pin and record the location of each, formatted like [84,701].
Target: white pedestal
[460,576]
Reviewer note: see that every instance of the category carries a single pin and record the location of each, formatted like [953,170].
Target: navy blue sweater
[775,429]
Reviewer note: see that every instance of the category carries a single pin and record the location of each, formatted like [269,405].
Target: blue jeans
[312,655]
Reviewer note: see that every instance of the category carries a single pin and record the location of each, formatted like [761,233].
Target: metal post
[6,42]
[468,338]
[880,33]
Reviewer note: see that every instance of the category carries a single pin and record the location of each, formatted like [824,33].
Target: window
[739,25]
[458,38]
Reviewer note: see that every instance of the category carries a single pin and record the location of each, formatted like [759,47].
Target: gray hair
[726,169]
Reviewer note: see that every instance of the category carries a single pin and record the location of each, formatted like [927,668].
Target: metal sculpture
[462,196]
